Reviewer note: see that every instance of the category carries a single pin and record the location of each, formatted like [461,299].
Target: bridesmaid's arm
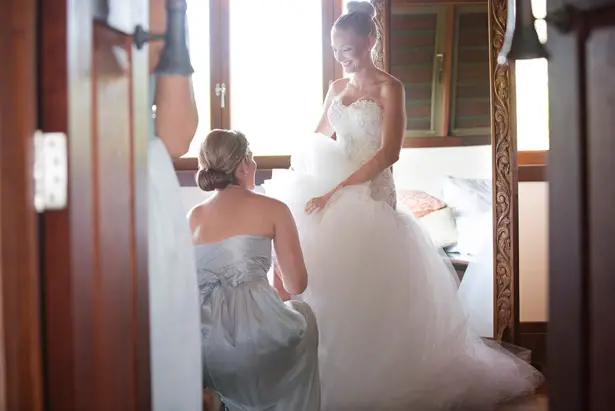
[290,263]
[393,131]
[278,284]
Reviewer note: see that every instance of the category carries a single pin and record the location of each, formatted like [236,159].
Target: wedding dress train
[393,334]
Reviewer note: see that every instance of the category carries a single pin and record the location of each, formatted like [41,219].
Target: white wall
[533,251]
[192,196]
[533,247]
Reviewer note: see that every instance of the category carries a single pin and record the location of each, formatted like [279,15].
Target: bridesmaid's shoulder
[250,201]
[200,210]
[270,203]
[194,216]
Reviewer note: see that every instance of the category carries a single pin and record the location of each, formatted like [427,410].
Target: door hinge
[50,171]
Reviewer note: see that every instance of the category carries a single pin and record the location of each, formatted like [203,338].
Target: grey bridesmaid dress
[258,352]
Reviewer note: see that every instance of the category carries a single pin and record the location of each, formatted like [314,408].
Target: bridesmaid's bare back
[237,211]
[234,211]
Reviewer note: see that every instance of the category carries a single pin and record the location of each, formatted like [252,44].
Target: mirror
[458,150]
[461,123]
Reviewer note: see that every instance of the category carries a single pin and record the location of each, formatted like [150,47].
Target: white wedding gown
[393,335]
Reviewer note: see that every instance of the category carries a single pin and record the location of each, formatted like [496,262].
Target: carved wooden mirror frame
[503,143]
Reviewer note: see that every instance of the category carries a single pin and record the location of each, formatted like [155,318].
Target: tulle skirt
[393,334]
[476,289]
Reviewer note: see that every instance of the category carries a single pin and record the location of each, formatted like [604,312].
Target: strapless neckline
[360,102]
[232,237]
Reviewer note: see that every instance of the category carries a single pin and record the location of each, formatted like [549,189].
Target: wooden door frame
[21,370]
[581,198]
[96,322]
[568,248]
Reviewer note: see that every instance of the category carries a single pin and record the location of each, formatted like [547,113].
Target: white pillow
[471,201]
[475,232]
[440,226]
[467,195]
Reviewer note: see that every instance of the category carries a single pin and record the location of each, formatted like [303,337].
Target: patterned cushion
[419,202]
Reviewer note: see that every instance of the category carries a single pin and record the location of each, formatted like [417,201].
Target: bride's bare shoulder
[338,85]
[392,89]
[385,77]
[389,82]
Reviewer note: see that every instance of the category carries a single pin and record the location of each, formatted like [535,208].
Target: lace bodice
[358,128]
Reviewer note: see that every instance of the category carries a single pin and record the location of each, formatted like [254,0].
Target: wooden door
[93,87]
[582,216]
[21,384]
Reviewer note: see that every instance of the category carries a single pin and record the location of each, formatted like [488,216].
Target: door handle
[221,92]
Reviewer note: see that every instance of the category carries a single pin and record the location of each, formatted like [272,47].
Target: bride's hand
[318,203]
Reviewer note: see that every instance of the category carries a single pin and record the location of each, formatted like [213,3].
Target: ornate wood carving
[379,52]
[504,148]
[504,163]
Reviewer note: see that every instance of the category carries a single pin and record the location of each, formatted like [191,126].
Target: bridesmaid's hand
[318,203]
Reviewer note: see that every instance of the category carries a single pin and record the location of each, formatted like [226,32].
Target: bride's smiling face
[352,51]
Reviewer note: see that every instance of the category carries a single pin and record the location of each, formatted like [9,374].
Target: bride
[393,335]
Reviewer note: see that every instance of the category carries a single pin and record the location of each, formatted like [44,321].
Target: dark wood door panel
[96,249]
[600,54]
[21,372]
[582,200]
[114,285]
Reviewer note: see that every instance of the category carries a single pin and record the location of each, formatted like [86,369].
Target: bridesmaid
[258,352]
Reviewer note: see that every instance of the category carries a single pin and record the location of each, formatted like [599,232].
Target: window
[441,54]
[532,105]
[260,67]
[275,71]
[198,42]
[271,61]
[416,42]
[532,93]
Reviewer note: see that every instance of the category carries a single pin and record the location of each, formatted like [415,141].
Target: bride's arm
[324,126]
[393,131]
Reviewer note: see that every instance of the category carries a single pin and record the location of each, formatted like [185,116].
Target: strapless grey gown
[258,352]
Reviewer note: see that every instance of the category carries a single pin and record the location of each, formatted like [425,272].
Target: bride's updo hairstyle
[359,18]
[221,153]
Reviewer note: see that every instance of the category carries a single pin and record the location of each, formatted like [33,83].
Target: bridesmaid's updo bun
[359,18]
[221,153]
[209,180]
